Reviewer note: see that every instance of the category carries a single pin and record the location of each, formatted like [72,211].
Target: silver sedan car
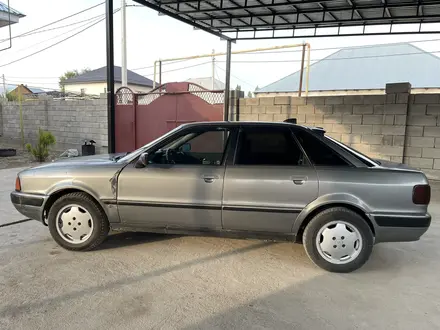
[247,179]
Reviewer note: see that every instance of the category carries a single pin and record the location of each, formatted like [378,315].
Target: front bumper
[30,205]
[400,228]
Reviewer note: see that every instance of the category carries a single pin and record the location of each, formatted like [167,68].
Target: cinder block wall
[70,121]
[396,126]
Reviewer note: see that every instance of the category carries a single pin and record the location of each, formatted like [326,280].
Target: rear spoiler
[317,130]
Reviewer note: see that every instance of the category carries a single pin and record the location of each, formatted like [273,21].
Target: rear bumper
[400,228]
[30,205]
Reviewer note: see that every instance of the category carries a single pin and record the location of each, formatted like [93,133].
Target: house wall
[70,121]
[98,88]
[396,126]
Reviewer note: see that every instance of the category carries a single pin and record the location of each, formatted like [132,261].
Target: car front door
[182,184]
[269,182]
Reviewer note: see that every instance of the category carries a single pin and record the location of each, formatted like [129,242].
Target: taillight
[17,184]
[422,194]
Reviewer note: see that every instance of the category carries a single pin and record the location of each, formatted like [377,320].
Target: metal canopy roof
[268,19]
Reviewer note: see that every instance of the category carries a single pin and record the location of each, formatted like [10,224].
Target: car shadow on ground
[123,239]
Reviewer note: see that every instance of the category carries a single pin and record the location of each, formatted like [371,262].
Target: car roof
[251,123]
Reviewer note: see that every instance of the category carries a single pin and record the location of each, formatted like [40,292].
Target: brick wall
[71,121]
[396,126]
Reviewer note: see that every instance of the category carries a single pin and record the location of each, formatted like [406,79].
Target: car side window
[318,152]
[268,146]
[194,148]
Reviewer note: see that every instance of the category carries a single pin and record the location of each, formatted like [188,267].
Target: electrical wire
[54,22]
[163,63]
[243,81]
[60,27]
[64,33]
[53,45]
[335,48]
[334,59]
[185,67]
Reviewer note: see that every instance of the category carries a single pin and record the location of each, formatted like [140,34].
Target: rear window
[318,152]
[360,156]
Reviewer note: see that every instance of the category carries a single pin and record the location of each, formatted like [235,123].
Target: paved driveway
[149,281]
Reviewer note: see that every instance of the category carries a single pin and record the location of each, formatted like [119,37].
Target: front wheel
[338,240]
[77,222]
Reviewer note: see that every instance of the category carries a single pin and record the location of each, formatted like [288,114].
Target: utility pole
[124,44]
[4,86]
[213,70]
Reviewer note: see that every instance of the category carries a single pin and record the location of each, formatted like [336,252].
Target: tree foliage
[71,74]
[42,148]
[11,97]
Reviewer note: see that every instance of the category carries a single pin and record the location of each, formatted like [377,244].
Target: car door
[182,185]
[269,182]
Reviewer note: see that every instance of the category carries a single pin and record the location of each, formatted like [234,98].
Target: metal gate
[141,118]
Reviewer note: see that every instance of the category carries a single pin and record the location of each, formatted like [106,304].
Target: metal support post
[160,72]
[110,77]
[123,44]
[301,76]
[227,81]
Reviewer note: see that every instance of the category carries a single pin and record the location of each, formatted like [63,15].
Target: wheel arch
[307,215]
[56,194]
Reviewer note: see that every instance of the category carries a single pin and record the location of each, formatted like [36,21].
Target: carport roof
[267,19]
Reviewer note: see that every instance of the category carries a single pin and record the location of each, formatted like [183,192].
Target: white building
[207,82]
[95,82]
[5,18]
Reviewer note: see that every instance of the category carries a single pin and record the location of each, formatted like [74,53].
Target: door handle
[209,178]
[298,180]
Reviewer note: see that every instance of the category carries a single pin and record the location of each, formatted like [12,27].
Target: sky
[151,37]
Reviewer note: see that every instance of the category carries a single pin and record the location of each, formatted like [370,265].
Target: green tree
[41,149]
[71,74]
[11,97]
[238,88]
[249,94]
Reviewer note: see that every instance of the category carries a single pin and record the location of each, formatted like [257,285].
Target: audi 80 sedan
[247,179]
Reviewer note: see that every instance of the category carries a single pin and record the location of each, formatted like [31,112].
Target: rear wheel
[338,240]
[77,222]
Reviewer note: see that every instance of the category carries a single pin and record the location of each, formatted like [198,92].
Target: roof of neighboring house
[367,67]
[100,75]
[4,8]
[206,82]
[10,87]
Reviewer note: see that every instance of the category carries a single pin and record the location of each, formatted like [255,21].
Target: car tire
[338,240]
[77,207]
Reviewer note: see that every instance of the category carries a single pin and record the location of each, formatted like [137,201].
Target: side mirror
[142,161]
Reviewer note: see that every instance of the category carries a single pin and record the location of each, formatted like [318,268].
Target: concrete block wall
[71,121]
[395,126]
[422,144]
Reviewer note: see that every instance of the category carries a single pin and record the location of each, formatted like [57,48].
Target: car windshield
[137,152]
[363,158]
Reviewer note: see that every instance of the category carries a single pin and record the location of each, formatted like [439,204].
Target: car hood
[83,160]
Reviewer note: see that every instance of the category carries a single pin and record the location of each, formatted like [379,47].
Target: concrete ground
[150,281]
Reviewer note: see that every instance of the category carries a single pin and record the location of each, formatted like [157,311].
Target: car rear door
[269,181]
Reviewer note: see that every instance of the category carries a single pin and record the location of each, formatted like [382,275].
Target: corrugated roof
[206,82]
[368,67]
[4,8]
[11,87]
[100,75]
